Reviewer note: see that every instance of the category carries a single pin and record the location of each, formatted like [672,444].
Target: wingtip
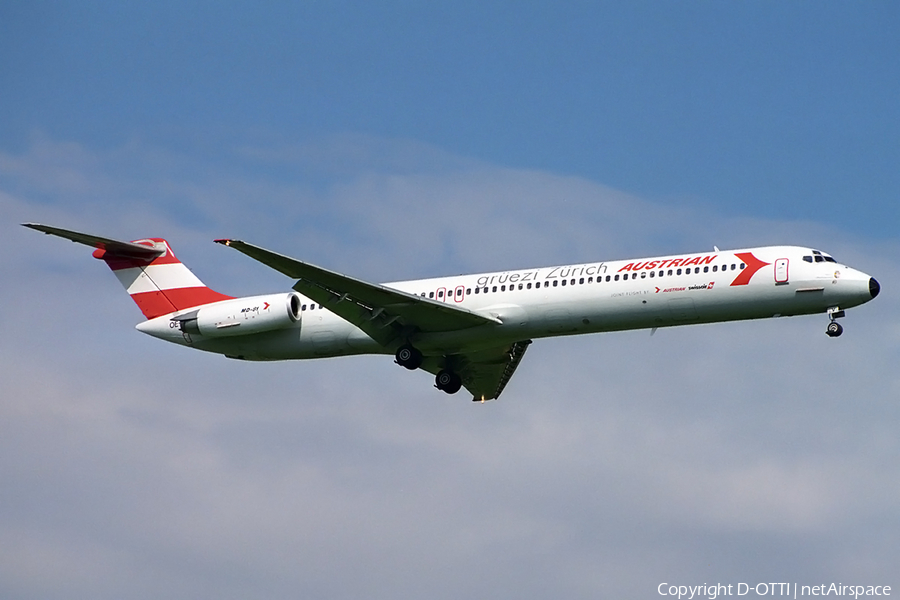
[224,242]
[38,227]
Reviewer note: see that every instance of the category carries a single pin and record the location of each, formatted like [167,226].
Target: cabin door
[781,271]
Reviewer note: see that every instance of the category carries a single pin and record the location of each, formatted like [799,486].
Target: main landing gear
[446,380]
[407,356]
[834,328]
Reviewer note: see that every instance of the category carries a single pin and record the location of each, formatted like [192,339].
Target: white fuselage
[574,299]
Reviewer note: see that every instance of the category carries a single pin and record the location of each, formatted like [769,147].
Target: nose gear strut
[834,328]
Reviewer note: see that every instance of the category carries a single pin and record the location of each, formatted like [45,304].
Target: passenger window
[440,294]
[617,277]
[502,288]
[555,283]
[670,272]
[528,286]
[715,268]
[590,280]
[580,281]
[652,273]
[431,294]
[678,272]
[706,269]
[634,275]
[742,266]
[303,307]
[564,282]
[494,289]
[643,274]
[520,286]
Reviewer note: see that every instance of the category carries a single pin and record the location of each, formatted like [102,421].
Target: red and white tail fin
[157,281]
[158,285]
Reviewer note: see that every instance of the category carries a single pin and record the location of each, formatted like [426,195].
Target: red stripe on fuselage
[753,265]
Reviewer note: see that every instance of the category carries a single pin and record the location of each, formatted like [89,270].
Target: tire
[407,356]
[448,381]
[834,329]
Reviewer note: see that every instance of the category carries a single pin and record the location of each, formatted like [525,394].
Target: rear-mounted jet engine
[242,316]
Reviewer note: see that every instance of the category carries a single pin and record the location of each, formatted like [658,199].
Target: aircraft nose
[874,288]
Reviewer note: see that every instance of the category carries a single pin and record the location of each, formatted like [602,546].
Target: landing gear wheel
[448,381]
[408,357]
[834,329]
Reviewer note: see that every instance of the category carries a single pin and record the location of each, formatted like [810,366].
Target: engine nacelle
[244,316]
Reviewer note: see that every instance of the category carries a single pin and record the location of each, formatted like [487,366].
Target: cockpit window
[819,257]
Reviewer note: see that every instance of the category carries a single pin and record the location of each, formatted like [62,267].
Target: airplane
[470,330]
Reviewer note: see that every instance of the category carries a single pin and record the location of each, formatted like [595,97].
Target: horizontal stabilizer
[114,247]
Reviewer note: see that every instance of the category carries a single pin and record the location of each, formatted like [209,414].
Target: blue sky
[778,110]
[405,140]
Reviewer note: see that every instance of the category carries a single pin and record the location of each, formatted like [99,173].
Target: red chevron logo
[753,265]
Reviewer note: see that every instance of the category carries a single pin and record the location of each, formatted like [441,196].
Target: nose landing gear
[834,328]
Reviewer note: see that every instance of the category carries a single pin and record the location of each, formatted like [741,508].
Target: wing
[484,373]
[384,314]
